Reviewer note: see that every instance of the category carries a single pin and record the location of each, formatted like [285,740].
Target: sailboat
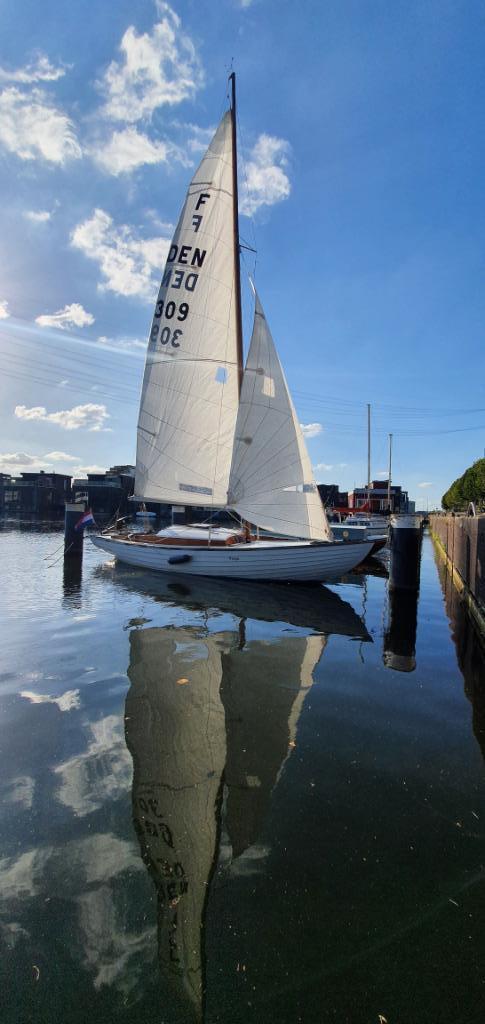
[213,432]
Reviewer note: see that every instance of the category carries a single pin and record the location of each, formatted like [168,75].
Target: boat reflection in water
[400,635]
[308,606]
[210,722]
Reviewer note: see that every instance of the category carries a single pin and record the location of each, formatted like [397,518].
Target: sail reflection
[263,689]
[211,719]
[175,730]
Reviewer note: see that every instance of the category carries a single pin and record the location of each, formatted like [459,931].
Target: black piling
[400,636]
[179,515]
[73,539]
[405,546]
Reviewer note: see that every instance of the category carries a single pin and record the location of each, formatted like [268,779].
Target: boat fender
[178,559]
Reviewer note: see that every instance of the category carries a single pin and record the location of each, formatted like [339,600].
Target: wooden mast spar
[237,264]
[235,210]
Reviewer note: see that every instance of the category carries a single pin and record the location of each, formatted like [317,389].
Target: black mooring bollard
[400,636]
[405,545]
[73,539]
[179,515]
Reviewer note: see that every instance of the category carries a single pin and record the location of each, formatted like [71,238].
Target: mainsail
[271,481]
[189,398]
[175,730]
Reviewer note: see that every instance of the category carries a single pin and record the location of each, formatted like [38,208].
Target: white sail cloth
[189,398]
[271,481]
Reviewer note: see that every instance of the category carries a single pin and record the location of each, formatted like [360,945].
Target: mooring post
[400,636]
[73,539]
[405,545]
[179,515]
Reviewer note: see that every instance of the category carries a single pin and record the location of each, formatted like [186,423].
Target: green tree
[468,487]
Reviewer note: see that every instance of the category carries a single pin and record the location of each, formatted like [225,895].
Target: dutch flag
[86,518]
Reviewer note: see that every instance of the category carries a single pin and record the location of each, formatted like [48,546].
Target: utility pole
[389,476]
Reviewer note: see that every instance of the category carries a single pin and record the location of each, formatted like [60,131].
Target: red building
[375,498]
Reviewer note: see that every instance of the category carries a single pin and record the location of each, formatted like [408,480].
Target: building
[331,496]
[375,499]
[5,478]
[35,492]
[106,492]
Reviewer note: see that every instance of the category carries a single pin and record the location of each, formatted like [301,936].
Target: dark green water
[231,804]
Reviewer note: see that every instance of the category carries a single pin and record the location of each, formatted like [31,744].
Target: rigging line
[79,390]
[19,365]
[245,176]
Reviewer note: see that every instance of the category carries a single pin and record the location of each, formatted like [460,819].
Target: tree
[468,487]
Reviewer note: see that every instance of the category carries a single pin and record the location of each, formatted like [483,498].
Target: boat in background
[363,527]
[212,431]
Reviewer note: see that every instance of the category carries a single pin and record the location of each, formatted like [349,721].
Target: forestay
[189,398]
[271,482]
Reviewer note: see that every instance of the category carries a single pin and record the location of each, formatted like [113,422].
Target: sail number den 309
[185,280]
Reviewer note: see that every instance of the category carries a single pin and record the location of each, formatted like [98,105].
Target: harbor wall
[460,539]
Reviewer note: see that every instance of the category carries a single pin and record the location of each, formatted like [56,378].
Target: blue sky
[362,155]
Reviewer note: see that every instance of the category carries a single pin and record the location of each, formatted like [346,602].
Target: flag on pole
[86,518]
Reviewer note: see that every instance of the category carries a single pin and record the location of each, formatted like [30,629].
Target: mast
[389,478]
[368,456]
[237,268]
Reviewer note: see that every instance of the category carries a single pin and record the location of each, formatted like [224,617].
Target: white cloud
[99,774]
[68,701]
[17,461]
[126,344]
[426,483]
[156,68]
[267,181]
[4,313]
[60,457]
[90,417]
[323,467]
[37,216]
[40,71]
[20,460]
[128,149]
[127,262]
[199,138]
[31,127]
[311,429]
[71,316]
[84,470]
[20,791]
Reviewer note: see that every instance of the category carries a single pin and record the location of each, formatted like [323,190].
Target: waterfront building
[332,496]
[35,492]
[375,498]
[5,478]
[106,492]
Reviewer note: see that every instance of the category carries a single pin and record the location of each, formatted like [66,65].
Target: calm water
[233,803]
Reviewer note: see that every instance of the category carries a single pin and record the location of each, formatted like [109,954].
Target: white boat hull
[259,560]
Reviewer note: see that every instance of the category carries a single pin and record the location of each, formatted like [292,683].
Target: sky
[361,150]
